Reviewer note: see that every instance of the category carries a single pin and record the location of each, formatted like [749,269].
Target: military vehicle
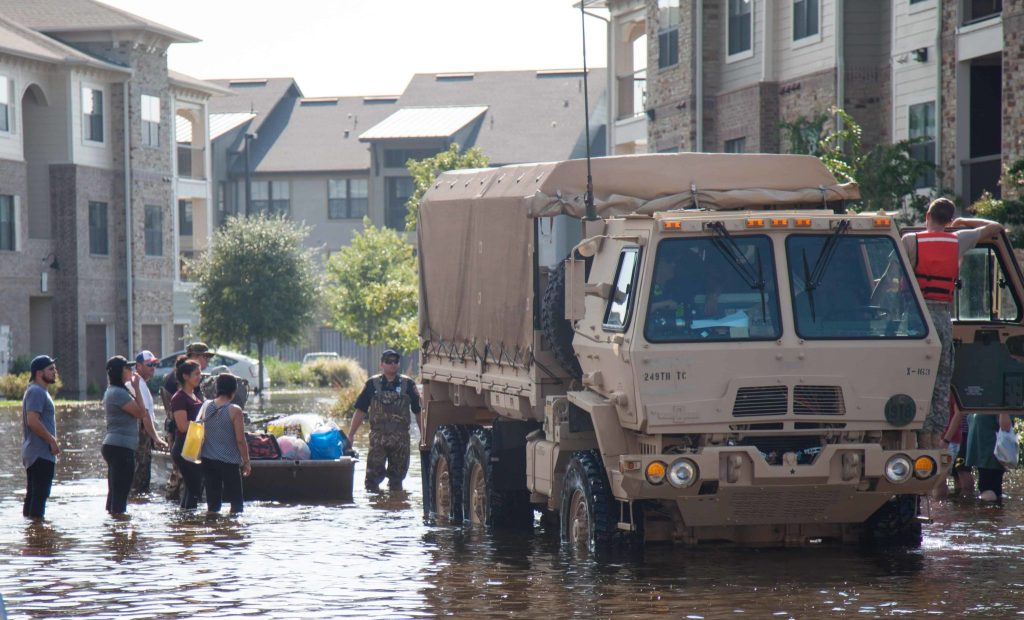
[723,354]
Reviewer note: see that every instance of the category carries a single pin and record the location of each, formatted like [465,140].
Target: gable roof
[17,40]
[531,115]
[65,16]
[424,123]
[257,96]
[322,135]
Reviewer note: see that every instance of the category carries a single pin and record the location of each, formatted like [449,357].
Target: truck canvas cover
[476,229]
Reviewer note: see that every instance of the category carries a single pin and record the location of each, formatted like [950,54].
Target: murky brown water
[377,558]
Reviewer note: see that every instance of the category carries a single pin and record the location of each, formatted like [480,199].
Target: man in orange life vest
[936,256]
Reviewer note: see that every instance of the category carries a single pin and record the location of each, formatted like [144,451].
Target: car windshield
[865,292]
[699,294]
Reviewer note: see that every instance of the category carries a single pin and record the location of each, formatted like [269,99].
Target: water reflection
[377,557]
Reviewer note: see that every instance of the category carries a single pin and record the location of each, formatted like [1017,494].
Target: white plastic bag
[1007,450]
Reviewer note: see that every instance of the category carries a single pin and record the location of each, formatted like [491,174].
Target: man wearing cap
[39,447]
[197,351]
[145,367]
[387,399]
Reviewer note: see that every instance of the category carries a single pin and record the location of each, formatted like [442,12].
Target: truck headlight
[898,469]
[683,473]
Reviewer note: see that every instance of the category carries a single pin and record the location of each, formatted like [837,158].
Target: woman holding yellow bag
[124,409]
[185,405]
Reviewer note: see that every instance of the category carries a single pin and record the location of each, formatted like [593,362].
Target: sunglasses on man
[391,360]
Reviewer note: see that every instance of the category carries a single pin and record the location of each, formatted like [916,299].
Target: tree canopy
[372,289]
[256,284]
[425,171]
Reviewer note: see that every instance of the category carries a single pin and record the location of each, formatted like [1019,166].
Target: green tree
[425,171]
[372,289]
[256,284]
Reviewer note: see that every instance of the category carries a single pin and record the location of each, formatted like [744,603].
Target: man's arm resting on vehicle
[36,425]
[357,421]
[986,228]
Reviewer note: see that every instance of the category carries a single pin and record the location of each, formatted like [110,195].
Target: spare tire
[557,330]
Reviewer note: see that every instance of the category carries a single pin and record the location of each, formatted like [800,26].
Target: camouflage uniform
[388,416]
[938,413]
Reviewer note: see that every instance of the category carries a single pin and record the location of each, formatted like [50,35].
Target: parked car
[240,365]
[321,355]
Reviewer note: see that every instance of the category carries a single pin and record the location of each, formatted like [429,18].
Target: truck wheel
[444,489]
[895,524]
[588,516]
[485,505]
[556,329]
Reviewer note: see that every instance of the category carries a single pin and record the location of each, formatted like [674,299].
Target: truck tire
[445,472]
[587,515]
[484,504]
[894,524]
[557,330]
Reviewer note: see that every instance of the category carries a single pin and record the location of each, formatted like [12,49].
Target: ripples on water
[376,558]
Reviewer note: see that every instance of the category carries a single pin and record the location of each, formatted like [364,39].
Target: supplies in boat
[293,448]
[321,438]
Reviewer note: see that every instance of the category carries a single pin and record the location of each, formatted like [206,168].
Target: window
[98,242]
[805,18]
[271,197]
[740,26]
[668,33]
[92,114]
[736,145]
[978,10]
[184,218]
[860,289]
[150,120]
[701,293]
[922,129]
[8,230]
[985,293]
[5,104]
[396,158]
[154,230]
[399,190]
[619,311]
[347,198]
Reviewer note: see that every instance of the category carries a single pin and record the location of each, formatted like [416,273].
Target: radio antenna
[588,197]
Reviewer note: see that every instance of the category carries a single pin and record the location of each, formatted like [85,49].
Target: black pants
[991,480]
[191,475]
[223,481]
[120,472]
[40,479]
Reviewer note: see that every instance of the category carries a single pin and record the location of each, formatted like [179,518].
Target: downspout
[938,93]
[699,70]
[892,54]
[840,63]
[128,216]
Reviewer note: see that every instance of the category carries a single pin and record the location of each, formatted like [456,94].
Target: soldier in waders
[387,399]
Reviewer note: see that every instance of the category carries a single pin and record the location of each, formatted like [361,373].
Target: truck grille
[757,401]
[818,400]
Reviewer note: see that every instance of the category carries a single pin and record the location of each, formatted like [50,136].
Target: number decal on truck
[664,375]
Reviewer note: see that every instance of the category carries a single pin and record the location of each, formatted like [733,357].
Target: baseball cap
[145,356]
[40,362]
[118,361]
[198,348]
[389,353]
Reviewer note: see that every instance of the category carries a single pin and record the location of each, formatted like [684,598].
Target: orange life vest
[938,264]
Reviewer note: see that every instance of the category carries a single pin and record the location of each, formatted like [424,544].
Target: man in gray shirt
[39,447]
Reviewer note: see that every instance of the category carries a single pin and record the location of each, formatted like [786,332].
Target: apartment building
[721,75]
[90,172]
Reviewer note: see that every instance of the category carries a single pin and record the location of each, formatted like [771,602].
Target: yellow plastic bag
[193,448]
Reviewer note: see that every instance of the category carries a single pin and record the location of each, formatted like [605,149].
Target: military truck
[723,354]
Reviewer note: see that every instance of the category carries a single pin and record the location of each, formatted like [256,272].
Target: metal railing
[632,94]
[191,162]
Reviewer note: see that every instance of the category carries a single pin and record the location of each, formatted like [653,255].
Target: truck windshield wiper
[753,276]
[813,277]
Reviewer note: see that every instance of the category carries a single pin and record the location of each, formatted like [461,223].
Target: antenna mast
[588,197]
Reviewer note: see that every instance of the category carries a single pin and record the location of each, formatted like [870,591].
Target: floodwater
[377,558]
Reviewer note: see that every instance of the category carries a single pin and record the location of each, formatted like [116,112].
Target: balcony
[632,94]
[191,161]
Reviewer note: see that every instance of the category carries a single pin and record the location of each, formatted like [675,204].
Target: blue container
[326,445]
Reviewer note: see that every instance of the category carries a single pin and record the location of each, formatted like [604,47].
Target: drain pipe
[840,63]
[938,96]
[128,216]
[699,70]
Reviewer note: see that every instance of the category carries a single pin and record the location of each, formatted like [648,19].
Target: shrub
[21,364]
[12,387]
[339,373]
[284,373]
[342,407]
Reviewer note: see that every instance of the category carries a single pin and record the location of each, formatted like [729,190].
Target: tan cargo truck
[725,355]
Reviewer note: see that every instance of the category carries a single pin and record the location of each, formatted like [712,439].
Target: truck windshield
[698,294]
[865,292]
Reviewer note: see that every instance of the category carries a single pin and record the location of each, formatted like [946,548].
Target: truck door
[988,330]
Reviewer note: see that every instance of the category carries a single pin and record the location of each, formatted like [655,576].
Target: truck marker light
[655,472]
[755,222]
[683,473]
[882,222]
[625,466]
[898,469]
[672,225]
[924,467]
[780,222]
[803,222]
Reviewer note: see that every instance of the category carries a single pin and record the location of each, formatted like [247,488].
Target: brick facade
[1013,81]
[947,165]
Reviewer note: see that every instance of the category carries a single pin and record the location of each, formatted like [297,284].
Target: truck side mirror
[575,285]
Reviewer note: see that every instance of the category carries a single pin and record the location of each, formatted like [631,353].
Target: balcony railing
[980,10]
[632,94]
[981,174]
[191,161]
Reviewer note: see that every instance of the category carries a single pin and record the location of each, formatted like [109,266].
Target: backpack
[262,446]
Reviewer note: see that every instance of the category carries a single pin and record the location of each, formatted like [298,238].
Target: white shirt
[147,399]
